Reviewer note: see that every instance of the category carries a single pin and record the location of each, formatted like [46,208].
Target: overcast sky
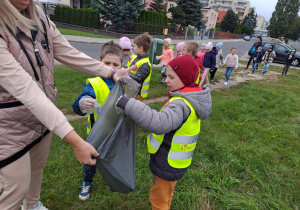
[264,7]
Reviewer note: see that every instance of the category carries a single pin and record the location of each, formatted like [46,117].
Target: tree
[158,6]
[177,16]
[238,29]
[193,14]
[118,11]
[229,21]
[250,19]
[284,18]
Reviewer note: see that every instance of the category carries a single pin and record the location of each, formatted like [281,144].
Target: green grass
[247,156]
[80,33]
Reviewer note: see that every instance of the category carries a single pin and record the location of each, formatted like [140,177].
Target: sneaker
[252,72]
[245,68]
[85,190]
[225,83]
[205,86]
[38,206]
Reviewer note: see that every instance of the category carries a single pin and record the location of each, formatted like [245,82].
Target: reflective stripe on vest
[101,91]
[183,142]
[146,83]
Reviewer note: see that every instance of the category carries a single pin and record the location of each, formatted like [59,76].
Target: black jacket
[142,72]
[256,45]
[287,61]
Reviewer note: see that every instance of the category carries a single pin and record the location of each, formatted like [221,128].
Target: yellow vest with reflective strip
[146,82]
[183,142]
[102,91]
[198,78]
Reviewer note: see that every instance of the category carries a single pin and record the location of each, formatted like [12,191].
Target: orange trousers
[161,193]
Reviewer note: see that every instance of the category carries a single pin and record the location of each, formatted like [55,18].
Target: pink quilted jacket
[167,56]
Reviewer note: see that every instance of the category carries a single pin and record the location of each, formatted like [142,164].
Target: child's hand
[156,58]
[87,104]
[124,72]
[235,69]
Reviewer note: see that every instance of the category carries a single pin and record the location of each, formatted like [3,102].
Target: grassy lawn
[80,33]
[70,83]
[247,156]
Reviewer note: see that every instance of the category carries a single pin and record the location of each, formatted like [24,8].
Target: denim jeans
[266,66]
[228,72]
[254,65]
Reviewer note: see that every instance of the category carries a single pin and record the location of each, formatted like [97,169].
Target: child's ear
[142,48]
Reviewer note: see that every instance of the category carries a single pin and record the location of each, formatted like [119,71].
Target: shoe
[85,190]
[252,72]
[205,86]
[38,206]
[225,83]
[245,68]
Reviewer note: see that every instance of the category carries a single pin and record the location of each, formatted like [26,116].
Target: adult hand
[124,72]
[82,150]
[87,103]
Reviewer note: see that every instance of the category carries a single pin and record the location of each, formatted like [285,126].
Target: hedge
[156,19]
[81,17]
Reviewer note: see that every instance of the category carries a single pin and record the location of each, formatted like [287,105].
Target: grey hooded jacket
[167,122]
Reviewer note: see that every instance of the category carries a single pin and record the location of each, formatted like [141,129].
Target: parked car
[281,38]
[113,29]
[247,38]
[275,40]
[254,35]
[281,51]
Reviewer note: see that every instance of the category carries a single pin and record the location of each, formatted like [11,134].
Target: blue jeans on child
[228,72]
[254,65]
[266,66]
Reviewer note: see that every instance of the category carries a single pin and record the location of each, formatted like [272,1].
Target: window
[280,48]
[211,2]
[171,5]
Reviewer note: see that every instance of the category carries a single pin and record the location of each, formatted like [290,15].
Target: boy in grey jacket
[175,128]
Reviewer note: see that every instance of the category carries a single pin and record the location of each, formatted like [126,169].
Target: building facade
[261,23]
[210,17]
[240,7]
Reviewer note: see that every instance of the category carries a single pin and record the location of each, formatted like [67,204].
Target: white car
[247,38]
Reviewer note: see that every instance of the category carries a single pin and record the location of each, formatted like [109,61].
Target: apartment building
[210,17]
[240,7]
[261,23]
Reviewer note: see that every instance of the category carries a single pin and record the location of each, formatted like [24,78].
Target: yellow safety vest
[102,91]
[183,142]
[198,78]
[146,83]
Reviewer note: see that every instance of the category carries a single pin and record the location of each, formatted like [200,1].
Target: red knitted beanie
[186,68]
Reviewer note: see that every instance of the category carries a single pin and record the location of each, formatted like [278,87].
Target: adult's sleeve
[15,80]
[71,57]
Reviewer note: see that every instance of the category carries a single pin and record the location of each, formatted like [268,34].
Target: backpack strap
[25,52]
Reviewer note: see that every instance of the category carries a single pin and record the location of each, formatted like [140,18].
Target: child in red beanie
[175,128]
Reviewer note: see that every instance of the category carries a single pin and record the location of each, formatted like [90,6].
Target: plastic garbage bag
[114,137]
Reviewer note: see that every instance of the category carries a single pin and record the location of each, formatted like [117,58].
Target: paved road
[93,50]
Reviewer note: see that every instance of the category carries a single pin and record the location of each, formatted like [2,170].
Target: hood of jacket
[214,51]
[199,99]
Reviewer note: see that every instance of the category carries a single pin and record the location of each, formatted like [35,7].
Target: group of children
[209,59]
[171,127]
[178,122]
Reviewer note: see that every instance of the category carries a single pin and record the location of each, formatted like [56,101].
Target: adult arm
[168,119]
[15,80]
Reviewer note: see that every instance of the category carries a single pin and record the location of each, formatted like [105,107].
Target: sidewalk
[92,40]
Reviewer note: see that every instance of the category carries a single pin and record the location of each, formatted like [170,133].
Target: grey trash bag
[114,137]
